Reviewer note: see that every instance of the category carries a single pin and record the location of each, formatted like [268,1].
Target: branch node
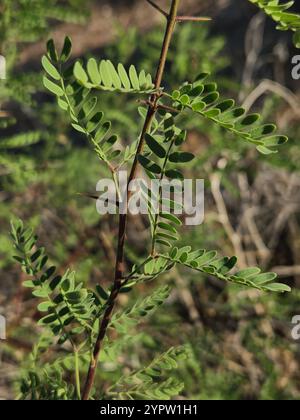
[158,8]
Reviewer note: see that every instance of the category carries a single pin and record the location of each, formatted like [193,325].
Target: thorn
[193,19]
[95,197]
[165,14]
[168,108]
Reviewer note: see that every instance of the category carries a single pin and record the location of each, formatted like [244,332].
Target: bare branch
[165,14]
[287,271]
[193,19]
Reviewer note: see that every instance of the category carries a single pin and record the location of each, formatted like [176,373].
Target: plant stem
[77,374]
[119,268]
[193,19]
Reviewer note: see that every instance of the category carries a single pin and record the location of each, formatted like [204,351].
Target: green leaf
[66,50]
[206,258]
[134,78]
[149,267]
[183,257]
[64,311]
[94,122]
[30,284]
[76,296]
[232,115]
[228,265]
[66,284]
[55,282]
[264,278]
[167,227]
[172,218]
[212,113]
[80,73]
[263,130]
[51,50]
[176,95]
[209,88]
[185,99]
[225,105]
[198,106]
[171,204]
[163,242]
[109,143]
[181,157]
[265,151]
[105,74]
[149,165]
[154,146]
[88,109]
[142,79]
[48,273]
[211,98]
[40,293]
[180,139]
[37,255]
[174,174]
[163,235]
[49,319]
[273,141]
[124,77]
[52,87]
[101,292]
[102,131]
[248,272]
[278,287]
[62,104]
[50,68]
[45,306]
[114,75]
[196,91]
[78,128]
[93,71]
[249,120]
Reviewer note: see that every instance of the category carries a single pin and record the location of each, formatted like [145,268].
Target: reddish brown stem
[119,269]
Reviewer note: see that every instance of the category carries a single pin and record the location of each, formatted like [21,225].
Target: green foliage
[123,320]
[203,99]
[76,100]
[104,76]
[148,383]
[69,307]
[74,88]
[208,262]
[21,23]
[279,12]
[39,385]
[21,140]
[71,311]
[28,20]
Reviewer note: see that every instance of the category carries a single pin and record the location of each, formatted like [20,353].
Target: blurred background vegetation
[240,340]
